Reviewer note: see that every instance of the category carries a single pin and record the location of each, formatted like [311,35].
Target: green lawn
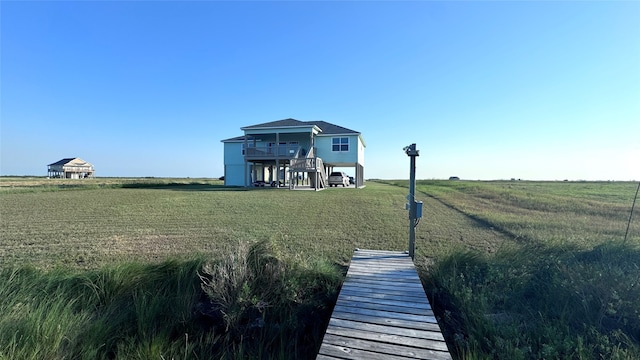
[92,226]
[96,226]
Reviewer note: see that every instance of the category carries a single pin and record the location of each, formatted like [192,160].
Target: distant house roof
[62,162]
[76,162]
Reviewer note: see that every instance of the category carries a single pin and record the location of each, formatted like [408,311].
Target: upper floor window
[340,144]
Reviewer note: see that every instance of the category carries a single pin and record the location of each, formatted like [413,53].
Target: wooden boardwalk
[382,312]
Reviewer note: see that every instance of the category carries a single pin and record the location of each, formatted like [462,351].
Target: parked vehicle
[338,178]
[352,180]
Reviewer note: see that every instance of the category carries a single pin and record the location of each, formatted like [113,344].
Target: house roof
[331,129]
[327,128]
[62,162]
[68,160]
[278,123]
[237,138]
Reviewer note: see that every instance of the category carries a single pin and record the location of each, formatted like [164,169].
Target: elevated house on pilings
[70,168]
[292,153]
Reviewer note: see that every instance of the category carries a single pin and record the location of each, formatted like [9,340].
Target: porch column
[246,165]
[277,159]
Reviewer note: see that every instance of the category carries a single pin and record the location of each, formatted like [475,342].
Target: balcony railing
[272,152]
[305,164]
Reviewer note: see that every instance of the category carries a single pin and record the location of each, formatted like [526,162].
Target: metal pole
[412,206]
[631,214]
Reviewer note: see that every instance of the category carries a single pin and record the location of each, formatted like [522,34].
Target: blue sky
[545,90]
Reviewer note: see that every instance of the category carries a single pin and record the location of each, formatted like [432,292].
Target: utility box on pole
[414,207]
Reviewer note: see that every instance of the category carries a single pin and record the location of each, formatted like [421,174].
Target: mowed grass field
[93,225]
[88,223]
[514,270]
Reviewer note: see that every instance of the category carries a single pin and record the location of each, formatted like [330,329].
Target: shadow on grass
[183,187]
[478,221]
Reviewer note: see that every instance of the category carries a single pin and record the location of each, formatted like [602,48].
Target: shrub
[258,302]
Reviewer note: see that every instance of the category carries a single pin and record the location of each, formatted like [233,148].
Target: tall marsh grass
[538,302]
[253,305]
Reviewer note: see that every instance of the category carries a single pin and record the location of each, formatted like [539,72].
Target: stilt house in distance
[71,168]
[279,152]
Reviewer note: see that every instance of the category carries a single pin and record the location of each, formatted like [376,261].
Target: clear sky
[541,90]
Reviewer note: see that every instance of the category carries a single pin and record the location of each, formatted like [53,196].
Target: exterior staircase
[322,175]
[311,164]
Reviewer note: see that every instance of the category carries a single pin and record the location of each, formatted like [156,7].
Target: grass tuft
[262,303]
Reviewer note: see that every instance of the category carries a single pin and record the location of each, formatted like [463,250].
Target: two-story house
[282,152]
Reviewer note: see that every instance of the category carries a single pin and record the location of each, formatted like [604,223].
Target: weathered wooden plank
[385,329]
[380,313]
[384,288]
[330,351]
[385,307]
[383,282]
[430,326]
[383,348]
[414,302]
[362,290]
[389,338]
[387,276]
[398,264]
[383,266]
[385,260]
[365,252]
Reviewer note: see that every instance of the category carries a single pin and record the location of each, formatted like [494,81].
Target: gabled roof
[237,138]
[278,123]
[62,162]
[65,161]
[331,129]
[325,127]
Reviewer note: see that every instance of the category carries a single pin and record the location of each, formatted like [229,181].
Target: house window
[340,144]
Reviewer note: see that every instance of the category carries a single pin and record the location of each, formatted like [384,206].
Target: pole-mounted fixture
[414,207]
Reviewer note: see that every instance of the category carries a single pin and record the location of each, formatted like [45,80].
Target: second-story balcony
[273,152]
